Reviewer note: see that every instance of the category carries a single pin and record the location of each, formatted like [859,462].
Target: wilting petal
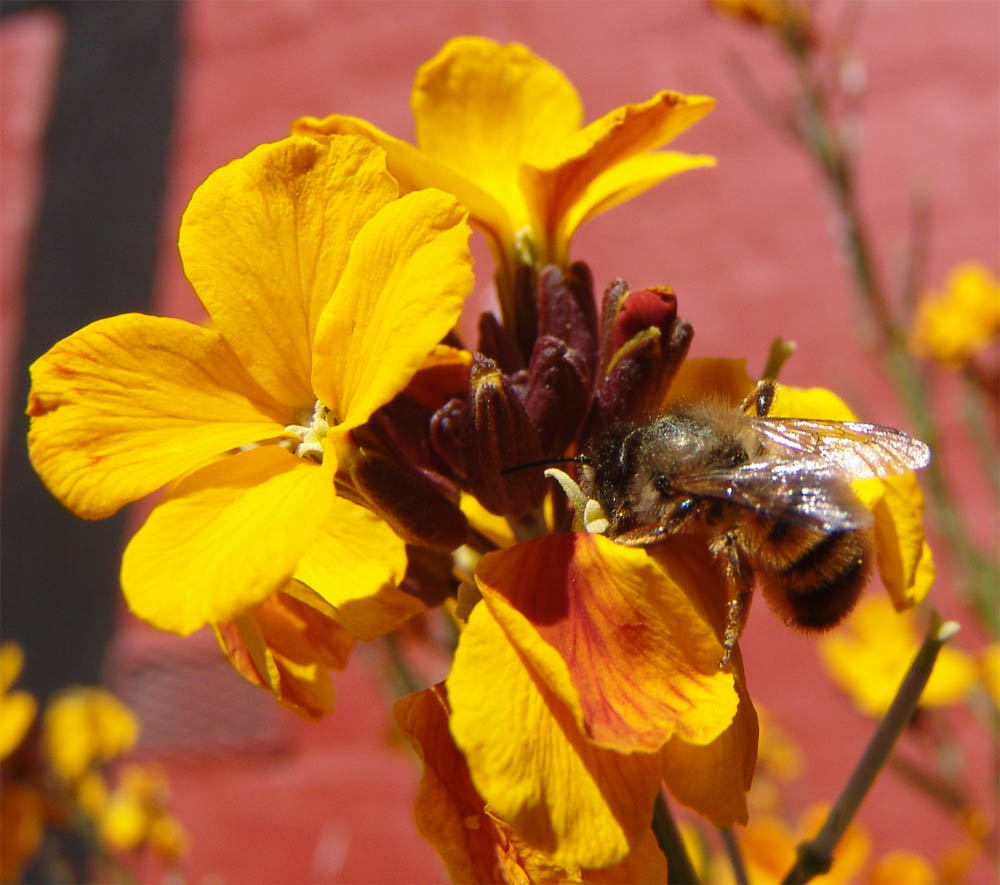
[481,108]
[225,538]
[474,843]
[530,761]
[904,558]
[415,170]
[450,813]
[290,647]
[129,403]
[265,240]
[554,184]
[642,659]
[354,563]
[400,294]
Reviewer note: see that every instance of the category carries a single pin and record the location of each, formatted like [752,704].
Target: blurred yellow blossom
[953,326]
[989,669]
[869,654]
[84,726]
[17,708]
[901,868]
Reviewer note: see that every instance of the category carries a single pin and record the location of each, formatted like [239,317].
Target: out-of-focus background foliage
[149,102]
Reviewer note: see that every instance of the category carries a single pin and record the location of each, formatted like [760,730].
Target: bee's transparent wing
[808,492]
[858,451]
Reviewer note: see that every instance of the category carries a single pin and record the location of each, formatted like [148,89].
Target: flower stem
[680,871]
[816,855]
[735,857]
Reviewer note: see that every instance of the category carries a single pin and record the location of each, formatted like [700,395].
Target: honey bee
[771,497]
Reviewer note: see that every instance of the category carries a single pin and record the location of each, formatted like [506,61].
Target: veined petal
[531,763]
[265,239]
[904,558]
[481,107]
[400,294]
[555,183]
[644,662]
[128,403]
[354,563]
[225,538]
[623,181]
[415,170]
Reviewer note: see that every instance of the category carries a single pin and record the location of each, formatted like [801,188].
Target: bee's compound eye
[662,484]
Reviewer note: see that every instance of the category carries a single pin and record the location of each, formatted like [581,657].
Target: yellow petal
[11,664]
[530,762]
[555,183]
[354,563]
[623,181]
[415,170]
[265,239]
[904,559]
[713,779]
[901,868]
[225,538]
[401,292]
[129,403]
[642,660]
[481,108]
[702,378]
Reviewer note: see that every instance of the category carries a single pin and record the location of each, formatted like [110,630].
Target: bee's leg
[760,399]
[739,581]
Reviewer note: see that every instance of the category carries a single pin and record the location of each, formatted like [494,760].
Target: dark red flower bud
[421,508]
[498,434]
[446,431]
[566,309]
[558,393]
[640,310]
[496,343]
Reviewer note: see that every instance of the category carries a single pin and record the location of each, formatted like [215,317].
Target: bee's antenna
[544,462]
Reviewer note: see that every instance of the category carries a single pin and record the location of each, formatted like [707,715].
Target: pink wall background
[748,247]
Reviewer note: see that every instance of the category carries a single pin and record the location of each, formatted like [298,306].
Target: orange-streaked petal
[904,558]
[415,170]
[531,763]
[354,563]
[225,538]
[289,647]
[400,294]
[265,239]
[554,184]
[128,403]
[481,108]
[643,661]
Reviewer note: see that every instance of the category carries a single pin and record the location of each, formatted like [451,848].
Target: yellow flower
[325,294]
[989,670]
[17,708]
[901,868]
[83,727]
[953,326]
[500,129]
[868,656]
[135,815]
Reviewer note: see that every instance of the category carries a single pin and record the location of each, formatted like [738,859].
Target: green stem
[680,871]
[815,856]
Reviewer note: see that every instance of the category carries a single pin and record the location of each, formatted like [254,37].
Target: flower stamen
[312,434]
